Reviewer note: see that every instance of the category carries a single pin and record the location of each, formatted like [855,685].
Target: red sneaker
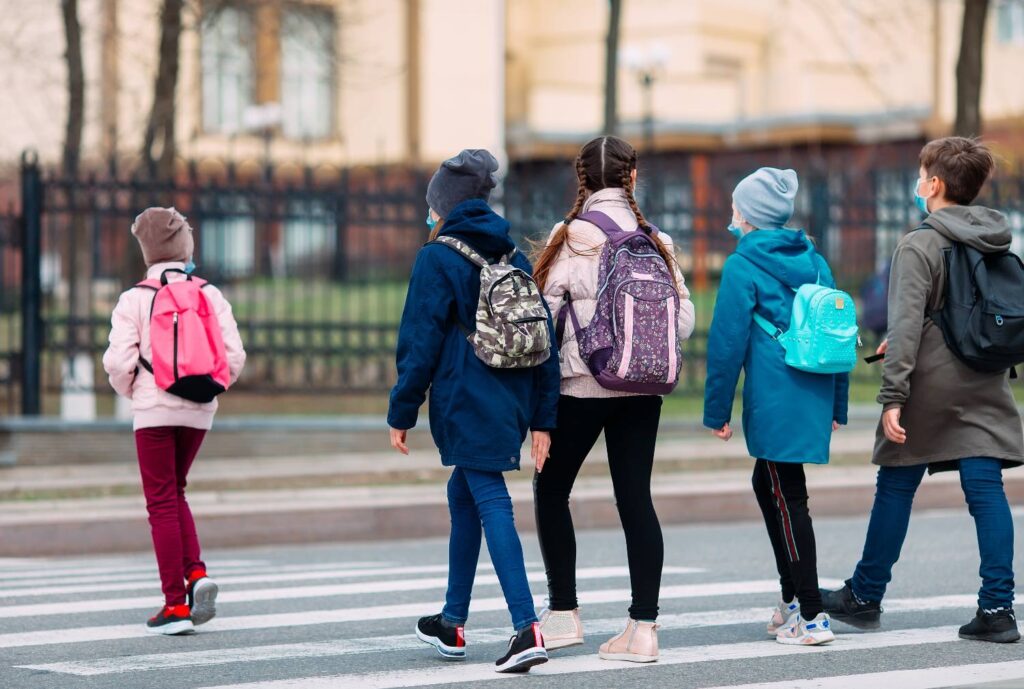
[201,596]
[171,620]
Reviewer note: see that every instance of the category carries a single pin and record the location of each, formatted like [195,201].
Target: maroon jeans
[165,456]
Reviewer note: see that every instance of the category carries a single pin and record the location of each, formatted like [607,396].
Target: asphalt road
[340,616]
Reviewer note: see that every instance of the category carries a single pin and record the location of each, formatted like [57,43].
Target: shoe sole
[628,657]
[173,628]
[445,651]
[854,621]
[554,644]
[204,601]
[806,640]
[1007,637]
[522,662]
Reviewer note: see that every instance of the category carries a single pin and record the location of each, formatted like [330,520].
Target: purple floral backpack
[632,344]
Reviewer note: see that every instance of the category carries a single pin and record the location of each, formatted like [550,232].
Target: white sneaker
[561,628]
[783,616]
[807,632]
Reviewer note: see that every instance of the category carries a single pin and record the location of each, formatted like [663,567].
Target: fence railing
[315,261]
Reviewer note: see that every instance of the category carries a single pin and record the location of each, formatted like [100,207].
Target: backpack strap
[773,330]
[610,228]
[463,249]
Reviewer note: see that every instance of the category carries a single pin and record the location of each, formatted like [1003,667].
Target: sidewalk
[80,509]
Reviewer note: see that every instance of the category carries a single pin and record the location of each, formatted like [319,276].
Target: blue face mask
[735,230]
[920,201]
[190,266]
[431,223]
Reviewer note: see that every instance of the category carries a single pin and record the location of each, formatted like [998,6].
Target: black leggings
[781,490]
[630,426]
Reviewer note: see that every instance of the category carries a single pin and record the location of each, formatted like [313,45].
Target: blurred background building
[298,135]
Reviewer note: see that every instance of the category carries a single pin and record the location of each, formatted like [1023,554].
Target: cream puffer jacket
[575,272]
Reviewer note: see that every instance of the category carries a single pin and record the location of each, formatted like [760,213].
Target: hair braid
[668,256]
[546,253]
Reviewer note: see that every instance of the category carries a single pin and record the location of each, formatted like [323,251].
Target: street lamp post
[647,64]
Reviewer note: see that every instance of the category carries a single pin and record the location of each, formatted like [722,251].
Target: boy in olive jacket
[939,414]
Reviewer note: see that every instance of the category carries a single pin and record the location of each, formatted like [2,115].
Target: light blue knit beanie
[765,198]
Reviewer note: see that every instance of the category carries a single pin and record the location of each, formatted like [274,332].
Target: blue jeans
[982,483]
[478,498]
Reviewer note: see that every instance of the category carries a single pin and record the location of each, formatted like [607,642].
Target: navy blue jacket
[479,416]
[787,414]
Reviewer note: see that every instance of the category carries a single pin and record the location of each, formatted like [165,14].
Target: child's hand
[541,448]
[724,433]
[835,425]
[398,440]
[892,428]
[884,347]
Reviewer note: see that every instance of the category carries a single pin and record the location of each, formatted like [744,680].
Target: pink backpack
[189,359]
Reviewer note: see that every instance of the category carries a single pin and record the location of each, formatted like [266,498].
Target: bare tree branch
[76,88]
[969,69]
[611,67]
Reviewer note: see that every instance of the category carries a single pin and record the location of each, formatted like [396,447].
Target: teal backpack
[822,335]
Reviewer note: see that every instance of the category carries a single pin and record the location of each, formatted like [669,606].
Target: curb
[429,518]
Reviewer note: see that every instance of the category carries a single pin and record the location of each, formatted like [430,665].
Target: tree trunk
[611,67]
[76,88]
[969,69]
[160,129]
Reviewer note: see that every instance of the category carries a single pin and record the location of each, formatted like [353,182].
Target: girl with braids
[567,271]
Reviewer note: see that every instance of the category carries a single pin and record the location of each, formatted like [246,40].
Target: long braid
[546,253]
[627,186]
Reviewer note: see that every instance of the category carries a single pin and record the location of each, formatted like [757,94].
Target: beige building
[351,82]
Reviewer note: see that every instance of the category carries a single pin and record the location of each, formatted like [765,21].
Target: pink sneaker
[637,644]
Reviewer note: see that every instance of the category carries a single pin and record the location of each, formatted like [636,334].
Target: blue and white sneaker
[807,632]
[783,616]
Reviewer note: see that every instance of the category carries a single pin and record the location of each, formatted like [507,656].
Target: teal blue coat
[787,414]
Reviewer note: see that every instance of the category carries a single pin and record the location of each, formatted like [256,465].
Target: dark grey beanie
[469,175]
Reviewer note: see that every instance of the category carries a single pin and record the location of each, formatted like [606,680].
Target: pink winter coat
[129,337]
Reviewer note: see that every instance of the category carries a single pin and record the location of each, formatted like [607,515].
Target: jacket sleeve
[728,342]
[229,332]
[420,337]
[841,402]
[910,287]
[548,375]
[687,314]
[557,284]
[121,359]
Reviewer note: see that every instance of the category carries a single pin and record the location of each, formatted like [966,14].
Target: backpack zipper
[175,345]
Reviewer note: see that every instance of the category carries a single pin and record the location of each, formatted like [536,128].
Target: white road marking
[484,672]
[924,678]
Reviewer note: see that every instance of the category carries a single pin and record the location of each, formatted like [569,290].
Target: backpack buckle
[999,321]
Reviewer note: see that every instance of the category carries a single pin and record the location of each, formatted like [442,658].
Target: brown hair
[963,165]
[603,163]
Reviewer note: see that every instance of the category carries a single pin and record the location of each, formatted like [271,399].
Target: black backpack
[982,318]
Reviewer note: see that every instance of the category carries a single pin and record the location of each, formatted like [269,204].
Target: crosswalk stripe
[278,576]
[380,612]
[70,570]
[484,672]
[284,593]
[50,585]
[341,647]
[924,678]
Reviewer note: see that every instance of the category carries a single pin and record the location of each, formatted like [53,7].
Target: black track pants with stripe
[781,490]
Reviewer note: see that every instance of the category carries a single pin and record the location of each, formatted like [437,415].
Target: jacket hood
[978,227]
[476,224]
[787,255]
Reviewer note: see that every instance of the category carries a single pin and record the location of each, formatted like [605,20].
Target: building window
[227,246]
[307,72]
[310,238]
[1010,21]
[227,69]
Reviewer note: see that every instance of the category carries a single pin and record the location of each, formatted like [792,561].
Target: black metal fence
[315,261]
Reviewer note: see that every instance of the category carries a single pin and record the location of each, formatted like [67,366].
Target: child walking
[169,429]
[584,274]
[476,333]
[939,413]
[788,414]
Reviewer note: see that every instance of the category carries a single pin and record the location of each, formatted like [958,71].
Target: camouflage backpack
[511,319]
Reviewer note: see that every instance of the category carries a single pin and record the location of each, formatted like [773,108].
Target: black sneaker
[449,641]
[998,626]
[525,650]
[171,620]
[842,605]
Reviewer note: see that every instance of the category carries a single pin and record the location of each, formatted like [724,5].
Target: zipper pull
[175,317]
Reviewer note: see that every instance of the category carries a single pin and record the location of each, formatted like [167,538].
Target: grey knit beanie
[164,235]
[469,175]
[765,198]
